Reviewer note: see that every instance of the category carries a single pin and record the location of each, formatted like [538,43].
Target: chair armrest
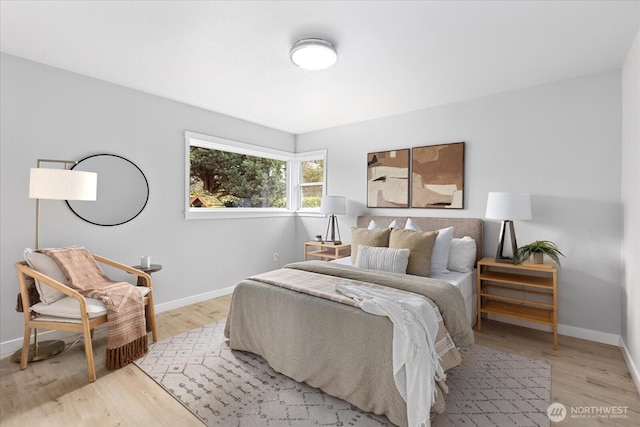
[124,267]
[24,270]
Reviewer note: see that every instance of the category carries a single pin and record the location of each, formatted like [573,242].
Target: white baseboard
[589,335]
[571,331]
[9,347]
[171,305]
[633,369]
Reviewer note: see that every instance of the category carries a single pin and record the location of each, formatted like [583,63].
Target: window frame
[306,156]
[294,177]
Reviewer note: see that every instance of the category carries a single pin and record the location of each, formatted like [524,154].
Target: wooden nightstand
[326,251]
[522,291]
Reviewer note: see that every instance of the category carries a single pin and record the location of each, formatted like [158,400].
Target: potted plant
[539,249]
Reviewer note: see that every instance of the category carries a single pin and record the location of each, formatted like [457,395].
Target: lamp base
[514,246]
[42,351]
[335,231]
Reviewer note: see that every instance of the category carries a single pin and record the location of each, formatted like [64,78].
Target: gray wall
[50,113]
[631,202]
[561,142]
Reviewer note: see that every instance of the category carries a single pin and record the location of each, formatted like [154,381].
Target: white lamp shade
[335,205]
[313,54]
[62,184]
[508,206]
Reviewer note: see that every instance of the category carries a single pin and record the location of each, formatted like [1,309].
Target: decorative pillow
[374,226]
[47,266]
[462,254]
[360,236]
[440,254]
[411,226]
[420,244]
[383,259]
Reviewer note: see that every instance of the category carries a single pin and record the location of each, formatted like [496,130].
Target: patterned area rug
[231,388]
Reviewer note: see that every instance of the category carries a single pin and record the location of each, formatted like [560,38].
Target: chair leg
[24,357]
[151,317]
[88,351]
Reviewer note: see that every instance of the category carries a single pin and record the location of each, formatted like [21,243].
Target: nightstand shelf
[325,251]
[524,291]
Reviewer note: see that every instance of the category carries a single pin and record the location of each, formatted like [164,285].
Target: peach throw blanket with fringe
[127,332]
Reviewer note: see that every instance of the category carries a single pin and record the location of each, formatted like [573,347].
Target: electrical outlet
[276,257]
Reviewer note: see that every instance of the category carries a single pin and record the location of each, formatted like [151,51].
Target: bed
[465,281]
[338,348]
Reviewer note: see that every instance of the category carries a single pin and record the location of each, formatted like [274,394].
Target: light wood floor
[55,392]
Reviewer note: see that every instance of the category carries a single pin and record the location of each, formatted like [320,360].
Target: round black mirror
[123,190]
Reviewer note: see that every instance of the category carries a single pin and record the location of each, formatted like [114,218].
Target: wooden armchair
[74,312]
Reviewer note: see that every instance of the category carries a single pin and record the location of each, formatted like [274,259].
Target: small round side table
[152,269]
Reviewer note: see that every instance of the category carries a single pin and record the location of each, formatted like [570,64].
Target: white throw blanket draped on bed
[415,362]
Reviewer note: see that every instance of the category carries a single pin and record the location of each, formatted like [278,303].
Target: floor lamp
[55,184]
[508,207]
[333,205]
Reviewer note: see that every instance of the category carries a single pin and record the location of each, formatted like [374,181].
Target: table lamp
[508,207]
[333,205]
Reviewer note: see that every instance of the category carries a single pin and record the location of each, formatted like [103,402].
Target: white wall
[631,206]
[50,113]
[561,142]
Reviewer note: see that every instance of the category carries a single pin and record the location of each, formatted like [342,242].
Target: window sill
[314,214]
[236,213]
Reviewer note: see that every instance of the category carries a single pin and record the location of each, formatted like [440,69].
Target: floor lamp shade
[62,184]
[333,205]
[508,207]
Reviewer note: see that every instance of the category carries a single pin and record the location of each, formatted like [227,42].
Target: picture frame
[437,176]
[388,179]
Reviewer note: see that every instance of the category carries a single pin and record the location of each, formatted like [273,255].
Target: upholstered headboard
[472,227]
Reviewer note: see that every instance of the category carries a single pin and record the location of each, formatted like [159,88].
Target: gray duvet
[337,348]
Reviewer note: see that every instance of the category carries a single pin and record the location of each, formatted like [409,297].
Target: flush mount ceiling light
[313,54]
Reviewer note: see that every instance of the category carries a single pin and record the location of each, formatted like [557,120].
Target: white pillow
[411,226]
[440,254]
[462,254]
[47,266]
[374,226]
[382,259]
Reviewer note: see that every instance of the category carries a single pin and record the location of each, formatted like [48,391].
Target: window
[227,178]
[312,178]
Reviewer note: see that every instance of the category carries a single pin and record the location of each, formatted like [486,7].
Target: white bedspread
[415,362]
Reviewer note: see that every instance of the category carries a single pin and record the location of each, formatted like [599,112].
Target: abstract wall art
[388,179]
[437,176]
